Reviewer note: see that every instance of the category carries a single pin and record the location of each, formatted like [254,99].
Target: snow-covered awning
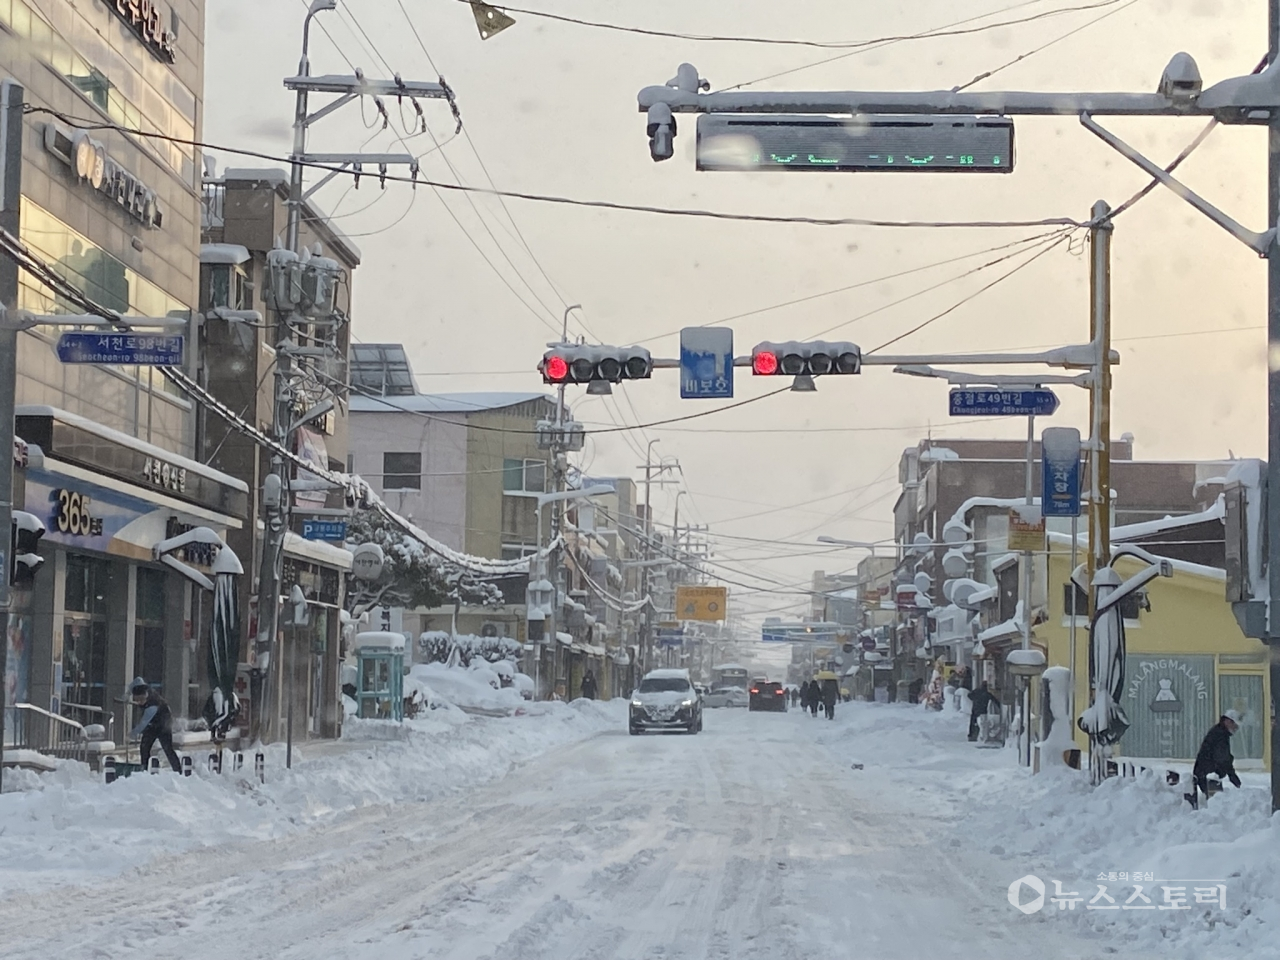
[317,551]
[565,638]
[589,649]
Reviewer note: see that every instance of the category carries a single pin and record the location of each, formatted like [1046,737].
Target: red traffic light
[764,364]
[556,369]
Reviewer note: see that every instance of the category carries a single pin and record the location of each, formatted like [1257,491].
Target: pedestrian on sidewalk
[155,724]
[589,685]
[1214,757]
[830,694]
[979,700]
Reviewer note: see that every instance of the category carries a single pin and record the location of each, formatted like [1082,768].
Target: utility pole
[1099,397]
[285,266]
[1272,536]
[11,98]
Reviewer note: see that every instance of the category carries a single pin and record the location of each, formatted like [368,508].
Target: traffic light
[815,358]
[579,363]
[24,541]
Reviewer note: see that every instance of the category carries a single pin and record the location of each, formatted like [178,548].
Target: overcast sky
[551,108]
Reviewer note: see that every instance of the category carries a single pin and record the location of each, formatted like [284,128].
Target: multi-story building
[464,467]
[244,214]
[111,465]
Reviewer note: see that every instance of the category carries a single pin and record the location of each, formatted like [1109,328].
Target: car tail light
[755,689]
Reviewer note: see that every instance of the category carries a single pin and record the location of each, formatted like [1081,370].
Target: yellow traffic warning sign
[701,603]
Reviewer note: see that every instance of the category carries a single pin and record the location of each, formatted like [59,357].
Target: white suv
[665,700]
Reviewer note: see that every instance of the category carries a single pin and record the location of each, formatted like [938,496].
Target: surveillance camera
[662,132]
[1181,81]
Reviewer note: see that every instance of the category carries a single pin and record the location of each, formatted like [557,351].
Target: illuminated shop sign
[144,19]
[91,164]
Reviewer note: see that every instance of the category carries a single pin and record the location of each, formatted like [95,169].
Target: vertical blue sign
[1060,472]
[706,363]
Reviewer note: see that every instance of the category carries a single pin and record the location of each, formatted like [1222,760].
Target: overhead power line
[82,123]
[779,41]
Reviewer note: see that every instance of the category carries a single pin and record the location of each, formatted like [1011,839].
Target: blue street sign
[1003,403]
[335,530]
[706,363]
[144,349]
[794,635]
[1060,472]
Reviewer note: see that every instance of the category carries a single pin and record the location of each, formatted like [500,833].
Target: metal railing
[91,714]
[45,732]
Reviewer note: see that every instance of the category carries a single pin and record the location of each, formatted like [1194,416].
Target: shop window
[148,638]
[524,476]
[84,633]
[402,471]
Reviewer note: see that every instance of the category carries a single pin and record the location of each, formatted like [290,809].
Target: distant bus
[730,675]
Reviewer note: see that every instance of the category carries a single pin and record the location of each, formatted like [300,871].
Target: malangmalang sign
[91,163]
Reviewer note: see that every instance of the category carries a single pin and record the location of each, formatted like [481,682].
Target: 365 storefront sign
[72,514]
[144,18]
[91,164]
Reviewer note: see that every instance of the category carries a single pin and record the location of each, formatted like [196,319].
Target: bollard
[238,761]
[186,765]
[260,766]
[153,765]
[109,770]
[215,763]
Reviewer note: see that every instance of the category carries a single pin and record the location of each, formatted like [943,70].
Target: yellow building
[1187,661]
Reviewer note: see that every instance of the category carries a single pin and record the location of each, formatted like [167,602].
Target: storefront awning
[317,551]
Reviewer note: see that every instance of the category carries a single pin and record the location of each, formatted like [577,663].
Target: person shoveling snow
[1214,757]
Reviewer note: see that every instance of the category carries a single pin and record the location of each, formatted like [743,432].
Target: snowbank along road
[751,840]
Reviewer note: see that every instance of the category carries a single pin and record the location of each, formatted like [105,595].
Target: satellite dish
[921,543]
[955,562]
[923,582]
[962,591]
[955,532]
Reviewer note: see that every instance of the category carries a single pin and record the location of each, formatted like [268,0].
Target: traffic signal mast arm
[1246,99]
[1080,356]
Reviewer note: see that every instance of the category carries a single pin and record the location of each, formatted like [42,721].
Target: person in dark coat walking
[155,724]
[589,685]
[980,700]
[830,694]
[1214,757]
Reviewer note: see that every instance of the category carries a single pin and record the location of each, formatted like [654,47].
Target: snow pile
[1060,828]
[68,826]
[1055,826]
[477,688]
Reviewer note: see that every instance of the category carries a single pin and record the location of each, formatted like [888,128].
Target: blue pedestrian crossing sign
[706,363]
[979,402]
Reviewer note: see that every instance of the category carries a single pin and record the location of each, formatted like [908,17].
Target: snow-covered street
[757,838]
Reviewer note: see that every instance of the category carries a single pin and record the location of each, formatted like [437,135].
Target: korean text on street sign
[142,349]
[701,603]
[1026,530]
[335,530]
[1003,403]
[670,636]
[706,363]
[1060,472]
[776,634]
